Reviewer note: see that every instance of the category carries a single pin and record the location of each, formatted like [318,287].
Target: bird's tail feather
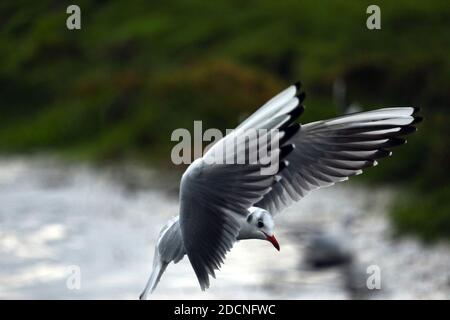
[157,272]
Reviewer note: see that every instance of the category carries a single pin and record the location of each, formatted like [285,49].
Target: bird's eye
[260,224]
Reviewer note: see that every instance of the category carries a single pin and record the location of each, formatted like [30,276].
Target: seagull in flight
[222,202]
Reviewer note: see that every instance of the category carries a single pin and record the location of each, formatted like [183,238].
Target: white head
[259,225]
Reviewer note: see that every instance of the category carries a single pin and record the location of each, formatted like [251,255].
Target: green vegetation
[137,70]
[425,214]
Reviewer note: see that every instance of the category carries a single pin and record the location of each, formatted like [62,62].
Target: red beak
[273,240]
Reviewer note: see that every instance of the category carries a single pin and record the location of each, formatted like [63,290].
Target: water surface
[106,221]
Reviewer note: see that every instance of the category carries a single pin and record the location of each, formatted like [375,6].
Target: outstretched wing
[332,150]
[217,190]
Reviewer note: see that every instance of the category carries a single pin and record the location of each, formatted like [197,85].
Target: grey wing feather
[213,203]
[332,150]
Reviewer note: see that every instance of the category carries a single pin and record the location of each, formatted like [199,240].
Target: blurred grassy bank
[117,88]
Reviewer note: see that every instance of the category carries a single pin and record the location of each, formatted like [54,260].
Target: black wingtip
[294,114]
[282,165]
[417,120]
[301,96]
[416,110]
[393,142]
[289,132]
[297,111]
[286,150]
[298,85]
[382,153]
[406,130]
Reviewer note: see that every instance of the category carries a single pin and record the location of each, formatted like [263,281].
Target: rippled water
[105,221]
